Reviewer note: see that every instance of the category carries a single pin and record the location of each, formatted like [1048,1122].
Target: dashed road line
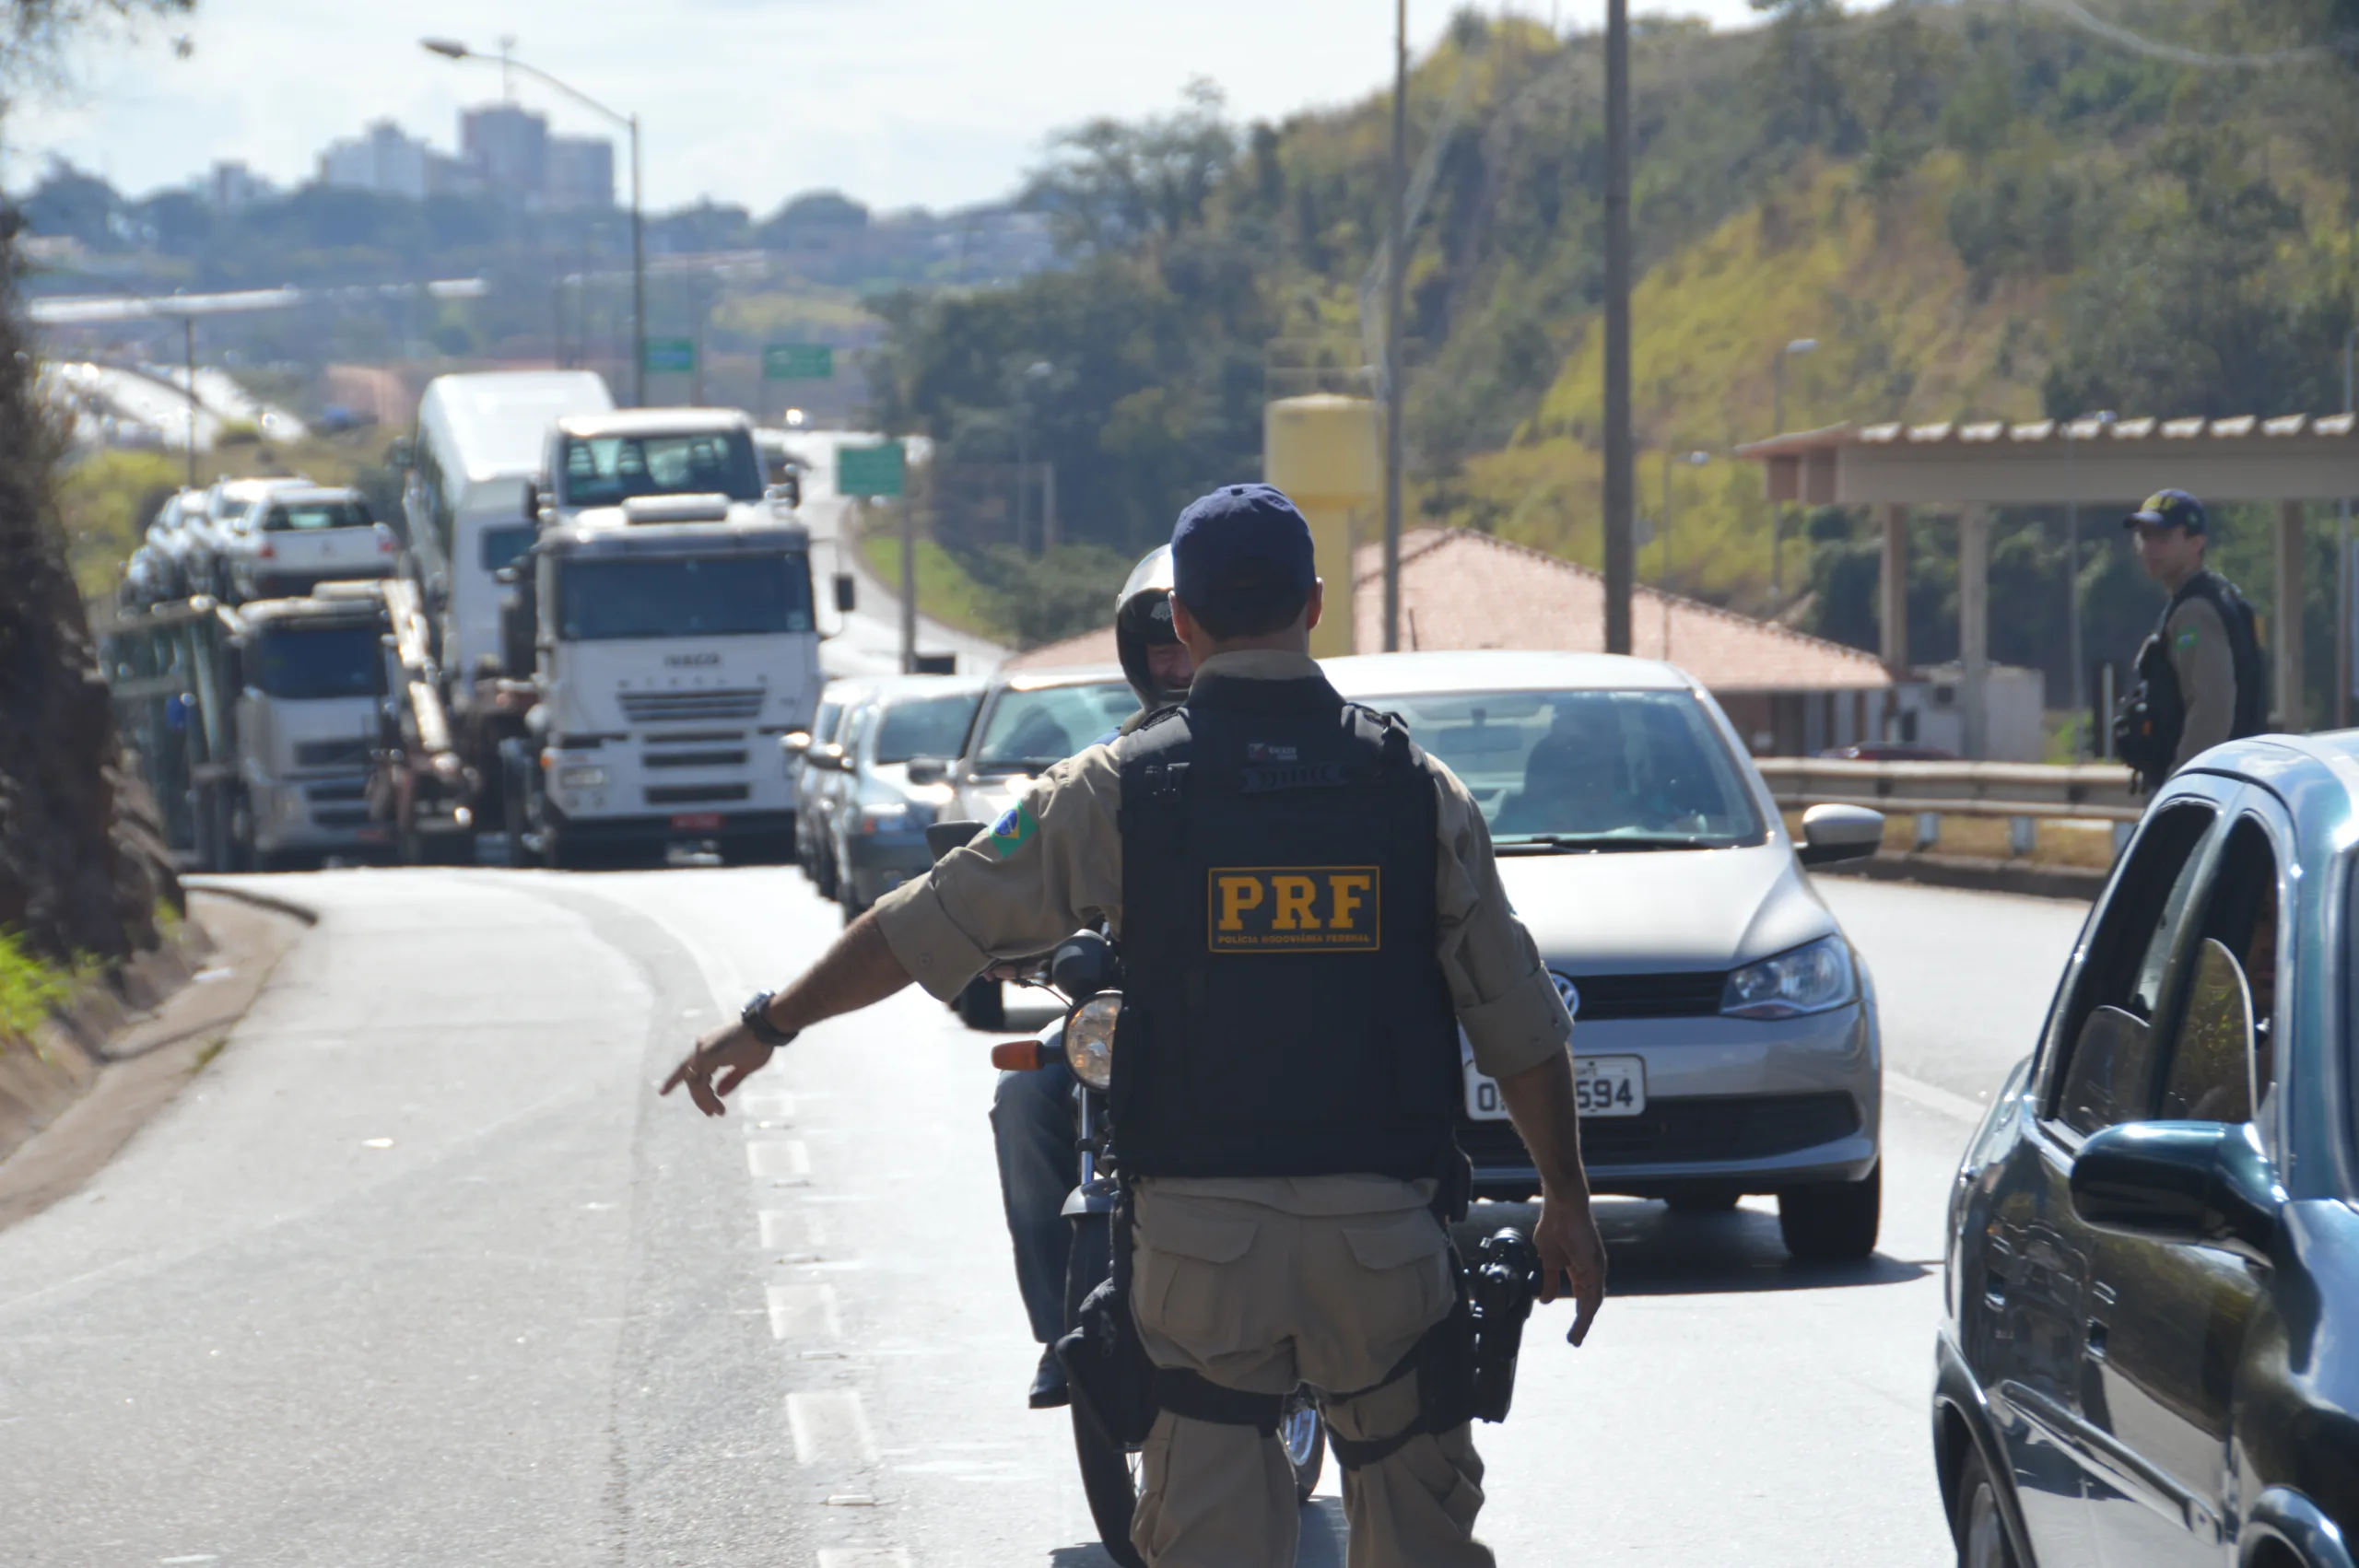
[779,1157]
[805,1312]
[863,1557]
[829,1426]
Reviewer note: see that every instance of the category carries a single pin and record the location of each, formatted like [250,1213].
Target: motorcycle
[1083,973]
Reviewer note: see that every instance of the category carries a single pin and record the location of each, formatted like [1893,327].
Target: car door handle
[2097,1339]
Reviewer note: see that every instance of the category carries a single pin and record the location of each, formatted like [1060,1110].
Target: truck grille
[694,794]
[353,753]
[1690,1128]
[1688,995]
[691,707]
[344,789]
[696,759]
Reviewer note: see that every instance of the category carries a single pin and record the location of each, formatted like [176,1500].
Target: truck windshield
[1589,769]
[934,726]
[1031,731]
[639,596]
[605,471]
[306,663]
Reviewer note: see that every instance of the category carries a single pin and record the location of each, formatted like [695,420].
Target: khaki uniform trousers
[1261,1299]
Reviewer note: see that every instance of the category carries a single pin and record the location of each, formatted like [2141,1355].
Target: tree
[1112,186]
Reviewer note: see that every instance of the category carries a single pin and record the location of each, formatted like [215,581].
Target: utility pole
[908,583]
[1777,419]
[188,333]
[1620,498]
[1396,265]
[2342,573]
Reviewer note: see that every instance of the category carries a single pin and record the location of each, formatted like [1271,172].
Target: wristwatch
[756,1019]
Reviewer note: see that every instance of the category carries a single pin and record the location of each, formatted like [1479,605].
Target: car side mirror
[832,757]
[2205,1182]
[847,595]
[402,455]
[940,837]
[532,501]
[1840,833]
[795,743]
[927,770]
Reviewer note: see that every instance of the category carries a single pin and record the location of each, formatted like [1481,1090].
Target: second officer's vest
[1284,1013]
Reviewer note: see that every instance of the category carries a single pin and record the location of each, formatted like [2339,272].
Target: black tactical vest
[1284,1013]
[2159,707]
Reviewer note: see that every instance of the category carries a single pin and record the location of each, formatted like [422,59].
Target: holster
[1113,1383]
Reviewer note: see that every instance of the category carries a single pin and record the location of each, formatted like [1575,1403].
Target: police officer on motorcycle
[1032,1125]
[2202,677]
[1309,913]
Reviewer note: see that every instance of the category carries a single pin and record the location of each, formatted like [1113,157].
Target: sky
[897,102]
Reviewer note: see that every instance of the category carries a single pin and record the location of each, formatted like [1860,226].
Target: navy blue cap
[1240,549]
[2169,509]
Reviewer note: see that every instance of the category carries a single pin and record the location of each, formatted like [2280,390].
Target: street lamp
[451,49]
[1684,460]
[1778,420]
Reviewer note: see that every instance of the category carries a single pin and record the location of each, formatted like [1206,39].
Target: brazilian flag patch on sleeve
[1016,825]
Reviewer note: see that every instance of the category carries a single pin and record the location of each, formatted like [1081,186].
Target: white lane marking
[784,1230]
[829,1425]
[767,1105]
[779,1157]
[863,1557]
[805,1312]
[1933,1098]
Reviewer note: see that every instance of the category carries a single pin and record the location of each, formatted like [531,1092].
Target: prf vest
[2164,705]
[1284,1013]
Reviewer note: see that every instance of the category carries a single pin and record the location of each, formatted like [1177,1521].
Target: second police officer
[2202,676]
[1309,913]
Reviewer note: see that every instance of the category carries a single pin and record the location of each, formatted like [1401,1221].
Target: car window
[822,723]
[1646,768]
[934,726]
[2107,1074]
[286,517]
[502,547]
[1029,730]
[857,731]
[2219,1055]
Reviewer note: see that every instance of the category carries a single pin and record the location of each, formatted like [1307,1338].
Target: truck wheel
[982,1005]
[1831,1222]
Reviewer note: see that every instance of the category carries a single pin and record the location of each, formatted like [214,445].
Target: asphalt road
[419,1270]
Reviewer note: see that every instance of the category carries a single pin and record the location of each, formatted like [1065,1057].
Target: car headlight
[580,777]
[1811,978]
[1089,1038]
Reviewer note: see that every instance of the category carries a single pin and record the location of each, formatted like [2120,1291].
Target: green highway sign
[671,356]
[798,362]
[869,471]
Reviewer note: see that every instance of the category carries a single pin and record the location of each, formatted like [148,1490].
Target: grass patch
[1005,593]
[947,590]
[31,989]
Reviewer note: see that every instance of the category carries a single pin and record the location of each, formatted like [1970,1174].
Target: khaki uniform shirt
[982,903]
[2198,644]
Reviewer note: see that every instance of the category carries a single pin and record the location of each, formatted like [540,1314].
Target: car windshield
[1029,730]
[933,726]
[304,662]
[640,596]
[286,517]
[605,471]
[1589,769]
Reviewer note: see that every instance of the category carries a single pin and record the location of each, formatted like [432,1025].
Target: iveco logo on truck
[689,661]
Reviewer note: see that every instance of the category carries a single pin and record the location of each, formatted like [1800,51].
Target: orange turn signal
[1018,1056]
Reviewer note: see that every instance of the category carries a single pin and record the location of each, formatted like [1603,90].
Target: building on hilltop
[581,174]
[509,146]
[1786,693]
[381,158]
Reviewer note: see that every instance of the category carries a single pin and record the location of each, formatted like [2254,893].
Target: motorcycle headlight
[1811,978]
[1089,1038]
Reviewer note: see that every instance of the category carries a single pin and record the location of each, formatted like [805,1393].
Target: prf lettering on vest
[1295,908]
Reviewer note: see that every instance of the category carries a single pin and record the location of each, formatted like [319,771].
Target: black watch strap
[756,1019]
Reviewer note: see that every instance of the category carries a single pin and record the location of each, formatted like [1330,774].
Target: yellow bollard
[1320,450]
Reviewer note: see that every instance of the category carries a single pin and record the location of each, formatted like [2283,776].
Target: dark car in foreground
[2150,1353]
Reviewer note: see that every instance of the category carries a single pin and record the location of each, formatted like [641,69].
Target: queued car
[896,774]
[208,530]
[809,758]
[1726,1041]
[300,536]
[2150,1346]
[1030,720]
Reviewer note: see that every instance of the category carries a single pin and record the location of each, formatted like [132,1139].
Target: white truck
[675,640]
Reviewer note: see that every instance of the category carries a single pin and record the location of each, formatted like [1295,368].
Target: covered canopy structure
[1973,467]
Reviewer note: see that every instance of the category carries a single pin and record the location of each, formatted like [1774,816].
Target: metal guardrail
[2021,792]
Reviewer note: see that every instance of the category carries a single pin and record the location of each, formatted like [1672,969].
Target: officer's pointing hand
[1568,1243]
[730,1050]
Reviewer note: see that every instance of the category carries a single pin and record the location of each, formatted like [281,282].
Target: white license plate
[1602,1086]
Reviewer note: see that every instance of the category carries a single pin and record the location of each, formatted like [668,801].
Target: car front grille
[694,794]
[1685,1130]
[691,707]
[353,753]
[1693,994]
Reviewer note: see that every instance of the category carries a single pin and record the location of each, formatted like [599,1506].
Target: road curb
[1976,875]
[244,894]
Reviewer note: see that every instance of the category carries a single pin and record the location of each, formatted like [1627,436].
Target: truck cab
[309,679]
[674,642]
